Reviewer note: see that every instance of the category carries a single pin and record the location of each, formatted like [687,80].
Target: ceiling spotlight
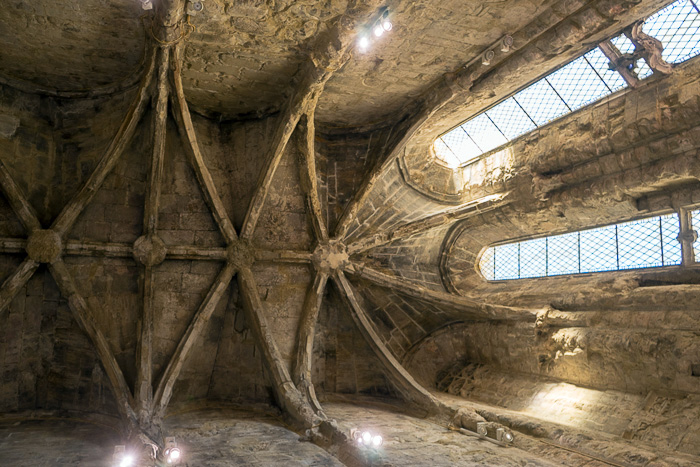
[366,438]
[506,43]
[481,428]
[488,56]
[172,453]
[387,25]
[378,30]
[194,7]
[120,458]
[363,43]
[504,436]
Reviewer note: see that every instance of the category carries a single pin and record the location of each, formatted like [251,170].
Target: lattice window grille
[678,27]
[644,243]
[582,81]
[695,224]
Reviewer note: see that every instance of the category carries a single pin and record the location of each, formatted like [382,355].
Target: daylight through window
[643,243]
[578,83]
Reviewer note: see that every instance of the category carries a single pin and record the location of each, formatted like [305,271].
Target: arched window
[643,243]
[578,83]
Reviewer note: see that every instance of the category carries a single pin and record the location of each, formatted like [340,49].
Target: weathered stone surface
[411,441]
[56,442]
[624,346]
[330,256]
[8,126]
[241,254]
[149,250]
[236,437]
[44,246]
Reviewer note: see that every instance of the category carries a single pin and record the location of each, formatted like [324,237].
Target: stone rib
[83,316]
[189,339]
[402,379]
[66,219]
[305,134]
[187,132]
[464,308]
[305,337]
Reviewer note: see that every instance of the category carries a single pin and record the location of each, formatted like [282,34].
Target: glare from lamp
[387,25]
[508,437]
[378,30]
[172,455]
[127,461]
[366,437]
[377,441]
[363,43]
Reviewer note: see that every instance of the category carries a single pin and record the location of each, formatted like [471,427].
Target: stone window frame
[687,237]
[609,49]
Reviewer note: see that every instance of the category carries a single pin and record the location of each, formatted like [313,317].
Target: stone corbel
[649,48]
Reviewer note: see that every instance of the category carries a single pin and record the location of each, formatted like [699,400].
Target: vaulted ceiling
[211,207]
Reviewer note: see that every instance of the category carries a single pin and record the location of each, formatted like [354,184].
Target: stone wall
[658,419]
[343,361]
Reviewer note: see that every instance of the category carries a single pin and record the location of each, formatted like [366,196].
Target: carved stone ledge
[331,256]
[149,250]
[44,246]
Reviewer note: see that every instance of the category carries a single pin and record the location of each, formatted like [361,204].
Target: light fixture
[120,458]
[504,436]
[146,4]
[172,454]
[481,428]
[385,22]
[506,43]
[363,43]
[488,56]
[194,7]
[366,438]
[377,29]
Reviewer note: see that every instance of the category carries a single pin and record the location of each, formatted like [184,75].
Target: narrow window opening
[582,81]
[643,243]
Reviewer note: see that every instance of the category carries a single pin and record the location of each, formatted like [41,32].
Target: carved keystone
[44,246]
[149,250]
[241,254]
[330,256]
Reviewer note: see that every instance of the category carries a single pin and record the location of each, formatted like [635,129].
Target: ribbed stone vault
[282,230]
